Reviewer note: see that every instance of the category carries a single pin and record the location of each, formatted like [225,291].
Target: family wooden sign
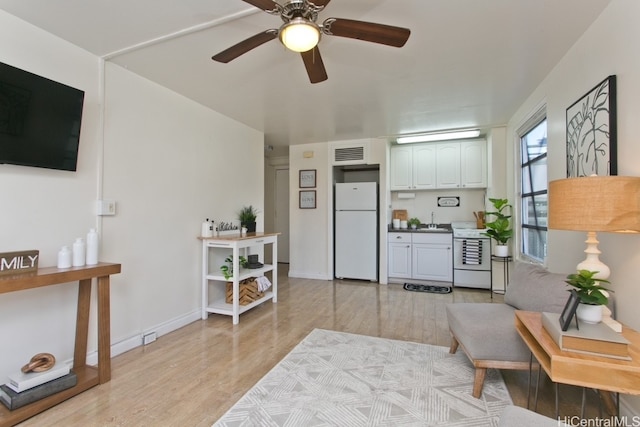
[18,262]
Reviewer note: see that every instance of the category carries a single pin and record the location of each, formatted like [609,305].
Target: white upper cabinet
[473,164]
[413,167]
[448,165]
[432,166]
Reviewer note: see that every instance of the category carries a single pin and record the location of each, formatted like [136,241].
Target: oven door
[472,254]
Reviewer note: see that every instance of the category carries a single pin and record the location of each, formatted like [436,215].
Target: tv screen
[39,120]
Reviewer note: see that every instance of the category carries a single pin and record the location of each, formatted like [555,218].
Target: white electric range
[471,256]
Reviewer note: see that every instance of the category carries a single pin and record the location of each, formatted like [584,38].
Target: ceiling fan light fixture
[299,35]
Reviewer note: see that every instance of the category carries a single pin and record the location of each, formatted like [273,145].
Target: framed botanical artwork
[569,310]
[308,178]
[592,132]
[307,199]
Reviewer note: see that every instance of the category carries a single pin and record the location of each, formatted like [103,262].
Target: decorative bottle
[92,247]
[207,228]
[78,252]
[64,257]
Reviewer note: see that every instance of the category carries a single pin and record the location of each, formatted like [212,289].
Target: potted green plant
[591,294]
[247,216]
[414,223]
[499,229]
[227,269]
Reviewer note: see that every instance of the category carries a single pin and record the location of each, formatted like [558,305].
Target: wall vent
[350,154]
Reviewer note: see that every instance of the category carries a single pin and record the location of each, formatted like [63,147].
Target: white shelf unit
[214,251]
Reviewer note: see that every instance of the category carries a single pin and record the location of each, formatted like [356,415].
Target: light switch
[105,207]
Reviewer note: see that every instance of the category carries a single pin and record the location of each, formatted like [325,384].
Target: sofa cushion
[487,332]
[532,288]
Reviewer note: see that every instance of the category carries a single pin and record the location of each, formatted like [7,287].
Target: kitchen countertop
[422,229]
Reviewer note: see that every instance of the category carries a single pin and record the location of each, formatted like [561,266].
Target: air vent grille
[348,154]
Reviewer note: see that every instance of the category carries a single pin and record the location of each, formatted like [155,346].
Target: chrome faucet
[433,224]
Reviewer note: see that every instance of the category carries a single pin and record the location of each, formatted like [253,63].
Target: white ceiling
[467,62]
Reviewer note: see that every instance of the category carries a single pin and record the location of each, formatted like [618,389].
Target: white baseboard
[137,340]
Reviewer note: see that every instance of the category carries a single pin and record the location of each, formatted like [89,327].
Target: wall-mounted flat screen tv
[39,120]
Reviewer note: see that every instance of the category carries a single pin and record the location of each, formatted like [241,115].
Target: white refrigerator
[356,231]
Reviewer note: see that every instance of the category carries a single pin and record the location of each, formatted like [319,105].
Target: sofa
[486,331]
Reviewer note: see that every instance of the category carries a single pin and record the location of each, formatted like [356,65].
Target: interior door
[282,213]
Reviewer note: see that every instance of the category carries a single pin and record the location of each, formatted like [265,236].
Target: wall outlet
[105,207]
[149,338]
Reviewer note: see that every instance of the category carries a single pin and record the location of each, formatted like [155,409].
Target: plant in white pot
[499,229]
[592,295]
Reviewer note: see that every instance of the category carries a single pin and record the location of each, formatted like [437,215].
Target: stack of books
[23,389]
[592,339]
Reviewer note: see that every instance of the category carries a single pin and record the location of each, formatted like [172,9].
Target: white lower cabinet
[432,257]
[399,255]
[420,256]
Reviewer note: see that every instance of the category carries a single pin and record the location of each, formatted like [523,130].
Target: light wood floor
[192,376]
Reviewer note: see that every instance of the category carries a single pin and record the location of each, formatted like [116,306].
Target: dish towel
[263,283]
[472,252]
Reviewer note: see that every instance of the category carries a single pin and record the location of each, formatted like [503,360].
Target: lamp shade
[595,203]
[299,35]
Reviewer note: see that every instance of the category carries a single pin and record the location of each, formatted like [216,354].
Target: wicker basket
[248,291]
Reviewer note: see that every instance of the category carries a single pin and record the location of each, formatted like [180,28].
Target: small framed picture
[569,310]
[308,199]
[308,178]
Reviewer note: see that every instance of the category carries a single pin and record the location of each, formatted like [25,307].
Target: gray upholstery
[532,288]
[486,331]
[514,416]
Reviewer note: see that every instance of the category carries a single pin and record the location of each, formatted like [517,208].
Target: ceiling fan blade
[245,46]
[367,31]
[314,65]
[262,4]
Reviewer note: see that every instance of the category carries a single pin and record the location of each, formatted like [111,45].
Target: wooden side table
[88,376]
[565,367]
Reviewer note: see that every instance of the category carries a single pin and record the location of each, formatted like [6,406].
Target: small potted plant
[227,269]
[247,216]
[413,223]
[499,229]
[592,295]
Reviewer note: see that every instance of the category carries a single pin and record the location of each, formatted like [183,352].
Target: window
[533,221]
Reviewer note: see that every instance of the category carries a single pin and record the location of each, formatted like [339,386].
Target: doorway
[281,212]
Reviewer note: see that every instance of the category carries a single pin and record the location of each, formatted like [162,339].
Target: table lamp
[592,204]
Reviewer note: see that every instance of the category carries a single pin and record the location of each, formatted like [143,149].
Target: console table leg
[104,330]
[82,323]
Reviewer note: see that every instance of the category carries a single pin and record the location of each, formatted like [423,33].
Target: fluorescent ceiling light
[442,136]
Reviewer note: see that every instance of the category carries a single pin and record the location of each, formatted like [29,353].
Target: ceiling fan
[301,33]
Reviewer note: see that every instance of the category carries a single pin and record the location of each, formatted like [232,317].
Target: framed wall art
[592,132]
[307,199]
[308,178]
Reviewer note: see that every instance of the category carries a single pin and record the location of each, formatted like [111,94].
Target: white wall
[609,46]
[168,163]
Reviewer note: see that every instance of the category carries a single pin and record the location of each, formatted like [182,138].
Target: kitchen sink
[431,230]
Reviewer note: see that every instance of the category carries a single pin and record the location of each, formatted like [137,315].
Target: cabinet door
[399,260]
[432,262]
[424,167]
[473,162]
[401,168]
[448,173]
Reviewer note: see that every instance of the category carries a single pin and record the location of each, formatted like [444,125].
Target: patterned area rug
[434,289]
[340,379]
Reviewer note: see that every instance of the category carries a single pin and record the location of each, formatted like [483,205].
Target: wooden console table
[88,376]
[565,367]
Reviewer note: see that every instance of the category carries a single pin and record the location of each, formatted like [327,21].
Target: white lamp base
[592,262]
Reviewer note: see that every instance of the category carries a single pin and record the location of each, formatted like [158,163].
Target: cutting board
[400,214]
